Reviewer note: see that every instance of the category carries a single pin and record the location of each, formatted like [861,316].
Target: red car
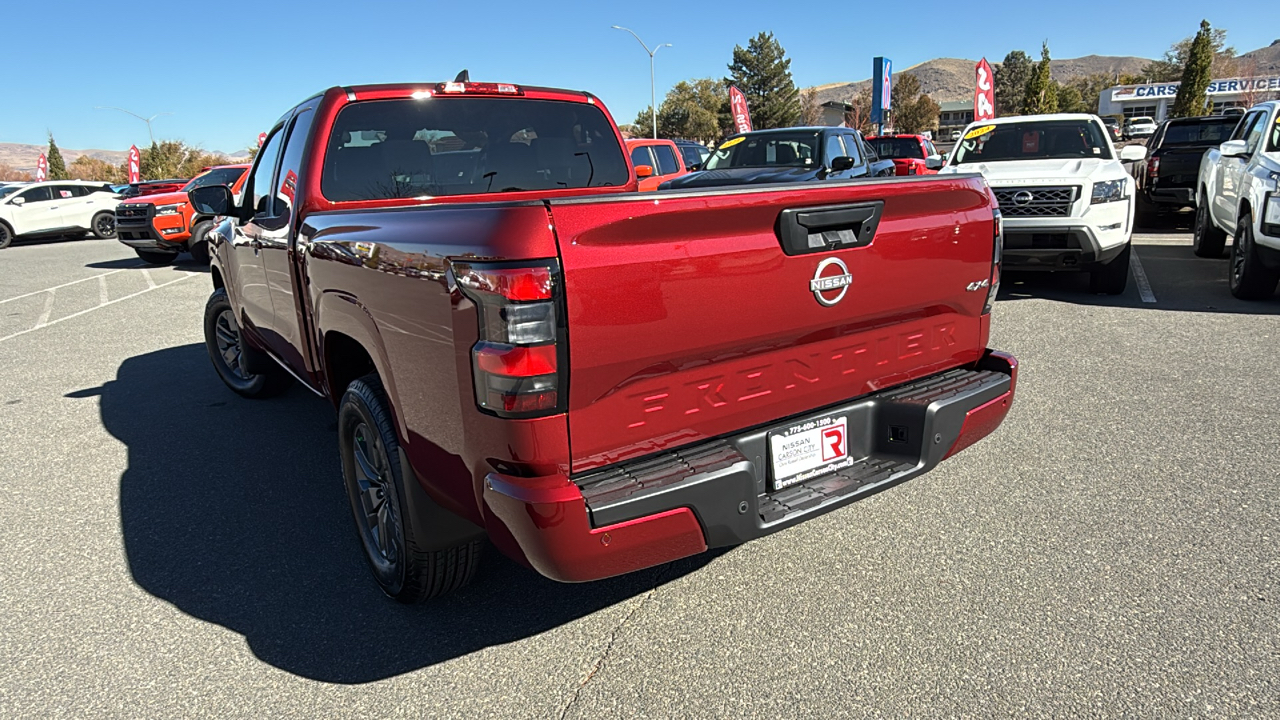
[911,154]
[662,157]
[518,344]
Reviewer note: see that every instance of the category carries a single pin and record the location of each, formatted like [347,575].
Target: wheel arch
[350,347]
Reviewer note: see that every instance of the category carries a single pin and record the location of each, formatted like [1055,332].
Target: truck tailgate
[687,319]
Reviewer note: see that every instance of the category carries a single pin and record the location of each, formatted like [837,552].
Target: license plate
[810,449]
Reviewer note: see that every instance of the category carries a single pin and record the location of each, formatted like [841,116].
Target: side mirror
[1134,153]
[644,171]
[212,200]
[842,163]
[19,201]
[935,162]
[1233,148]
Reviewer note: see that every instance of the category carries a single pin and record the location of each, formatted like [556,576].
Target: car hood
[1027,172]
[742,176]
[158,199]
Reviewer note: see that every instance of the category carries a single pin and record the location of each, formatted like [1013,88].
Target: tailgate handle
[822,229]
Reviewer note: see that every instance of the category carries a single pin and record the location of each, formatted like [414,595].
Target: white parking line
[51,323]
[58,287]
[1140,277]
[102,290]
[48,308]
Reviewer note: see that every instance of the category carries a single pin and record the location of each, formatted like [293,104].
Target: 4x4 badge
[825,282]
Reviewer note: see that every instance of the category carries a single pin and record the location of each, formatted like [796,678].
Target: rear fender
[343,313]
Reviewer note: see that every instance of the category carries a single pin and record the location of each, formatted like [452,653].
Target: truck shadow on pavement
[234,511]
[134,263]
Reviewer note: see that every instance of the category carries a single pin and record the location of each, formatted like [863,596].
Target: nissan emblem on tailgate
[825,282]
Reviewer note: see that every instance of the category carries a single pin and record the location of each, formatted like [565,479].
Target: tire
[1112,278]
[6,236]
[1247,277]
[224,341]
[103,226]
[157,257]
[197,244]
[1207,240]
[391,539]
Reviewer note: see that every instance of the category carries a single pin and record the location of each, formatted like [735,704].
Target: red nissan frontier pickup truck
[520,345]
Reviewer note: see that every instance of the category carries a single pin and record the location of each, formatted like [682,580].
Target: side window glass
[853,149]
[287,184]
[63,192]
[1255,133]
[1243,127]
[835,148]
[37,194]
[640,156]
[667,164]
[260,183]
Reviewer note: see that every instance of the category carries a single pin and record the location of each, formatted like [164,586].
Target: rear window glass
[666,160]
[216,176]
[897,148]
[457,146]
[1204,132]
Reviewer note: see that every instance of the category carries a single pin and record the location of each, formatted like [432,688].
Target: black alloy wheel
[225,343]
[6,236]
[1206,239]
[375,503]
[104,225]
[1250,278]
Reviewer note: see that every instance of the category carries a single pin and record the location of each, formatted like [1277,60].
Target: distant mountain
[25,157]
[1267,59]
[949,79]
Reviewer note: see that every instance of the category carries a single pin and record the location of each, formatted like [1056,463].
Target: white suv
[57,207]
[1066,199]
[1136,127]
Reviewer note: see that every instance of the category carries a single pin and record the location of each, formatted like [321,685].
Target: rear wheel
[1207,240]
[223,340]
[198,245]
[1112,278]
[1249,278]
[6,236]
[392,538]
[157,257]
[104,225]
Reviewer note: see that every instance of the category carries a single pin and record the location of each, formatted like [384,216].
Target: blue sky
[227,70]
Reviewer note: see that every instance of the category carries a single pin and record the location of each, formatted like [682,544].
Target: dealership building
[1154,100]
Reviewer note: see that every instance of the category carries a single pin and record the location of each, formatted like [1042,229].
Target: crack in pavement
[613,638]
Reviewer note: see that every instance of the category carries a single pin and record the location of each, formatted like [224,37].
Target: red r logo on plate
[833,445]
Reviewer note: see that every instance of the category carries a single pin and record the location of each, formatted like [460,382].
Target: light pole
[143,119]
[653,93]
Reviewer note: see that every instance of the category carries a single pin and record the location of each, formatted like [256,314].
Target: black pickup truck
[786,155]
[1167,180]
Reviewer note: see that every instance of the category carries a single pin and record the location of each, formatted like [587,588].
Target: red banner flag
[738,105]
[135,165]
[262,137]
[42,168]
[984,92]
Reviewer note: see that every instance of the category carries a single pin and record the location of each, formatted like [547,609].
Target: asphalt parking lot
[170,549]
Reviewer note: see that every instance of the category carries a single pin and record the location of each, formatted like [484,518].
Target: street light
[653,94]
[143,119]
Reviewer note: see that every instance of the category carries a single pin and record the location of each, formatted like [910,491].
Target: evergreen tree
[1011,78]
[762,72]
[1192,99]
[1041,96]
[691,110]
[1169,68]
[912,111]
[57,166]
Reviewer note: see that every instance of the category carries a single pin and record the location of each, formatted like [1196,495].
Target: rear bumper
[1175,197]
[680,503]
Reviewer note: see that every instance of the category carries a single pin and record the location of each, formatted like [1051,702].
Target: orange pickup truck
[662,157]
[158,227]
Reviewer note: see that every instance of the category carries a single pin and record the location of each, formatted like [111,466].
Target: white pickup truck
[1066,199]
[1238,195]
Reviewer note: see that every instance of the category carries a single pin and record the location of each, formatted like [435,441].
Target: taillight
[478,88]
[518,361]
[1153,167]
[997,257]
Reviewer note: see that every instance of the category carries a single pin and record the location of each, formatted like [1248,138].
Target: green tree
[913,112]
[1192,98]
[1041,96]
[1070,100]
[762,72]
[57,166]
[174,159]
[1170,67]
[1011,78]
[695,110]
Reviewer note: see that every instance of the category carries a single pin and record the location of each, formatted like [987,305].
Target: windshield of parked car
[779,149]
[216,176]
[1141,121]
[465,145]
[1199,132]
[897,148]
[1042,140]
[9,189]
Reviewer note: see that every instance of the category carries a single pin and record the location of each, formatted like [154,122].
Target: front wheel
[157,257]
[104,225]
[392,538]
[1250,279]
[6,236]
[1207,240]
[198,245]
[1112,278]
[225,343]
